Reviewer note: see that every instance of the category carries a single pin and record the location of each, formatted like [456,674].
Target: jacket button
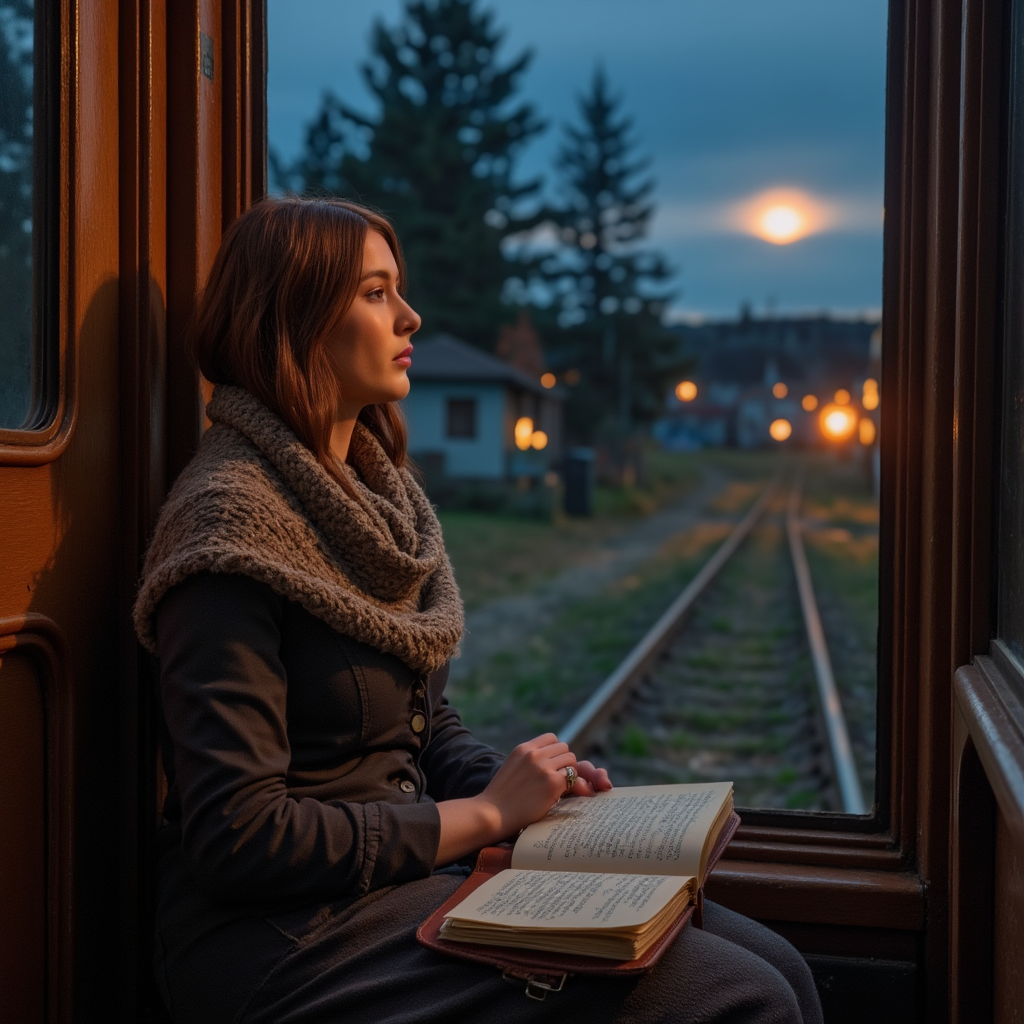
[407,786]
[418,723]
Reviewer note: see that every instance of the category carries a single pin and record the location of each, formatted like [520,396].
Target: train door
[128,195]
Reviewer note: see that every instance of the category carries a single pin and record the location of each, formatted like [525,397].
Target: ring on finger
[570,777]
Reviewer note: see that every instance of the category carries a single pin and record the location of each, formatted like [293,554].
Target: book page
[541,899]
[634,830]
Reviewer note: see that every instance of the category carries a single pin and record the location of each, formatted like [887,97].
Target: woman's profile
[324,797]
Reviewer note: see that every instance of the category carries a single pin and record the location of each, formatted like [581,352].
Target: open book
[605,876]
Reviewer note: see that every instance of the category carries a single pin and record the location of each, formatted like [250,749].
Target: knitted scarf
[256,501]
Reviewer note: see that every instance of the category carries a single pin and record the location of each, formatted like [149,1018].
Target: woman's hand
[523,790]
[590,780]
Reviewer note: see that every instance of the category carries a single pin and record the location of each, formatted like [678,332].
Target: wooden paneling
[1008,991]
[23,854]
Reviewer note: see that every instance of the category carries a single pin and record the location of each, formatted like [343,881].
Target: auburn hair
[286,272]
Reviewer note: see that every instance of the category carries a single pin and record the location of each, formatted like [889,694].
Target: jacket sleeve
[224,691]
[455,763]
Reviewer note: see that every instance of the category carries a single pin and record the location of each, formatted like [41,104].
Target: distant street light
[837,422]
[686,391]
[780,390]
[780,429]
[809,402]
[524,433]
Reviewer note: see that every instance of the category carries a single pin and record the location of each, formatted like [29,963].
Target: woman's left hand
[589,780]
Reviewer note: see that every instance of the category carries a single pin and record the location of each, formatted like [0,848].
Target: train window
[16,46]
[673,224]
[29,216]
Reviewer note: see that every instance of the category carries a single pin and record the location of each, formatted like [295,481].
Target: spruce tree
[438,158]
[610,293]
[15,210]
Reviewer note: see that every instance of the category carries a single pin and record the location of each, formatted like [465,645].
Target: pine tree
[15,210]
[610,294]
[438,158]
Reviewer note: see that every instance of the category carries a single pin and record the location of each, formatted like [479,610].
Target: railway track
[734,681]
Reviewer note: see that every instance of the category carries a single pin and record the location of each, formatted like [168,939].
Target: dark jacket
[302,765]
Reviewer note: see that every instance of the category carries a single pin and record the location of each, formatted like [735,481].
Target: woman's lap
[364,964]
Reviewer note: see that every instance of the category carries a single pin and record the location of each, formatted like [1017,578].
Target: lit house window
[461,419]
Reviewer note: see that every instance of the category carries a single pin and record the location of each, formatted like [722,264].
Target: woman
[322,792]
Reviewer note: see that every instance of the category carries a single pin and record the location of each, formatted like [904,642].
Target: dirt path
[508,622]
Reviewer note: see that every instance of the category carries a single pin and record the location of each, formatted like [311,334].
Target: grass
[495,555]
[538,686]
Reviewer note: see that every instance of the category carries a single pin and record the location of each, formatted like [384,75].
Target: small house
[474,417]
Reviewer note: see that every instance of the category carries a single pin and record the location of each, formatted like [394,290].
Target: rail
[608,694]
[617,686]
[828,695]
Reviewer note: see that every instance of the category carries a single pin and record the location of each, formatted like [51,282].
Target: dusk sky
[731,99]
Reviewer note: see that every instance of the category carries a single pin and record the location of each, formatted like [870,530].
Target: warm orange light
[782,224]
[809,402]
[780,429]
[869,398]
[686,391]
[524,433]
[538,440]
[782,215]
[867,431]
[548,380]
[842,397]
[780,390]
[837,422]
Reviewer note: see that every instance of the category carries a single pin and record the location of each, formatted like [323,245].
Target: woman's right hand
[529,783]
[523,790]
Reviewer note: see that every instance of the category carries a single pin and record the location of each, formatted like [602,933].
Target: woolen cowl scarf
[255,501]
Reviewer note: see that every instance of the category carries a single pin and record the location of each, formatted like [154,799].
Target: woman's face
[370,346]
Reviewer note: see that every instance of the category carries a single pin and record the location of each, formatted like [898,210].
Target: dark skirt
[358,960]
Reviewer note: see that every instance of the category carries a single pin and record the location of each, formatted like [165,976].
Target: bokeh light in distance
[686,391]
[548,380]
[780,429]
[838,422]
[809,402]
[524,432]
[842,397]
[780,390]
[869,398]
[867,431]
[538,440]
[782,215]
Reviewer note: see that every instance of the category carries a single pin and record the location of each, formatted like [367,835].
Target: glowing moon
[783,215]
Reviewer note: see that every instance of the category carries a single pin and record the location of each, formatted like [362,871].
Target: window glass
[16,45]
[668,216]
[462,417]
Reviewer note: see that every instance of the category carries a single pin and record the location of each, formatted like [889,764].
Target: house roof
[444,357]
